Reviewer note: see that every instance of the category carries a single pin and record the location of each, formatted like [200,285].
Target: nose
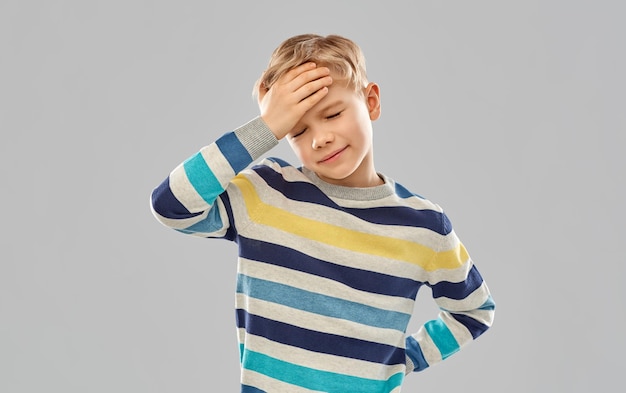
[322,138]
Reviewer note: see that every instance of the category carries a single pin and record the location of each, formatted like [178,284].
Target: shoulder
[274,171]
[272,166]
[424,208]
[412,199]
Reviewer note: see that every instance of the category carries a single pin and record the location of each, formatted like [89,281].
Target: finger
[296,71]
[312,87]
[311,100]
[304,74]
[311,75]
[261,91]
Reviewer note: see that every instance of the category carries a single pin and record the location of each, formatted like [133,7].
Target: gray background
[508,114]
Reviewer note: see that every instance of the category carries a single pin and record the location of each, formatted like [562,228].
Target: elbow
[487,313]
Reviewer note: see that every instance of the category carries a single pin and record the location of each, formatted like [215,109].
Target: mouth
[333,155]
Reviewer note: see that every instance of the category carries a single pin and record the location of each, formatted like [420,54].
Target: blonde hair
[341,55]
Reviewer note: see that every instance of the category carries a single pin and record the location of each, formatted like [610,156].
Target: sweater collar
[351,193]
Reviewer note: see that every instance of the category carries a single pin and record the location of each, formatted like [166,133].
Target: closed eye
[333,116]
[298,134]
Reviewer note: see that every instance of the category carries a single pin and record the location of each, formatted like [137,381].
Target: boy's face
[334,138]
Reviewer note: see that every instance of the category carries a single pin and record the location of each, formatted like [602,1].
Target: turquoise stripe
[202,178]
[321,304]
[314,379]
[489,304]
[442,337]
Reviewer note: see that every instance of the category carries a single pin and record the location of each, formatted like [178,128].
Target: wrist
[256,137]
[273,126]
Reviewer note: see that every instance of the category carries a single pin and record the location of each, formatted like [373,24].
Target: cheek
[299,150]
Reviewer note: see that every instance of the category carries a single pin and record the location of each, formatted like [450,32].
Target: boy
[332,253]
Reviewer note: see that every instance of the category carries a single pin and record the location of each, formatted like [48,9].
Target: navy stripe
[458,290]
[166,204]
[475,327]
[296,190]
[385,215]
[231,232]
[402,215]
[364,280]
[315,341]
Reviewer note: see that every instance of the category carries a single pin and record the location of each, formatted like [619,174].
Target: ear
[372,98]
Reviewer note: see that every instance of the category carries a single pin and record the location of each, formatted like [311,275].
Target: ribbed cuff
[256,137]
[409,366]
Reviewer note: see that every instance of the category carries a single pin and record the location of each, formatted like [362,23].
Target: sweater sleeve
[192,198]
[466,306]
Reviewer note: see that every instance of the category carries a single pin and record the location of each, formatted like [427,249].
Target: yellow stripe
[337,236]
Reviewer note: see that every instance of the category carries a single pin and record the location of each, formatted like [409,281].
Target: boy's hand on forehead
[293,94]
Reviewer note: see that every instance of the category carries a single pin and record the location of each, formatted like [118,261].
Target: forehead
[338,91]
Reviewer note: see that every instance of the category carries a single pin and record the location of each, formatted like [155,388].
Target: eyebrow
[325,108]
[330,105]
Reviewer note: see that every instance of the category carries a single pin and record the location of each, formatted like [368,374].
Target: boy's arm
[467,308]
[187,200]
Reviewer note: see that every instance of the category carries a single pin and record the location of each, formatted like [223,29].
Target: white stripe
[219,164]
[178,223]
[458,330]
[320,323]
[429,349]
[472,301]
[451,275]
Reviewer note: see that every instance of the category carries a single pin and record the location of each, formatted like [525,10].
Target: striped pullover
[327,275]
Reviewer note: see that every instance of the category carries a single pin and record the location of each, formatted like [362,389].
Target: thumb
[261,91]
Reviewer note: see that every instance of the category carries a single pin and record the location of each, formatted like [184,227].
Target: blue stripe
[442,337]
[363,280]
[321,304]
[318,380]
[458,290]
[402,216]
[202,178]
[414,352]
[166,204]
[251,389]
[237,155]
[318,341]
[282,163]
[403,193]
[211,223]
[385,215]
